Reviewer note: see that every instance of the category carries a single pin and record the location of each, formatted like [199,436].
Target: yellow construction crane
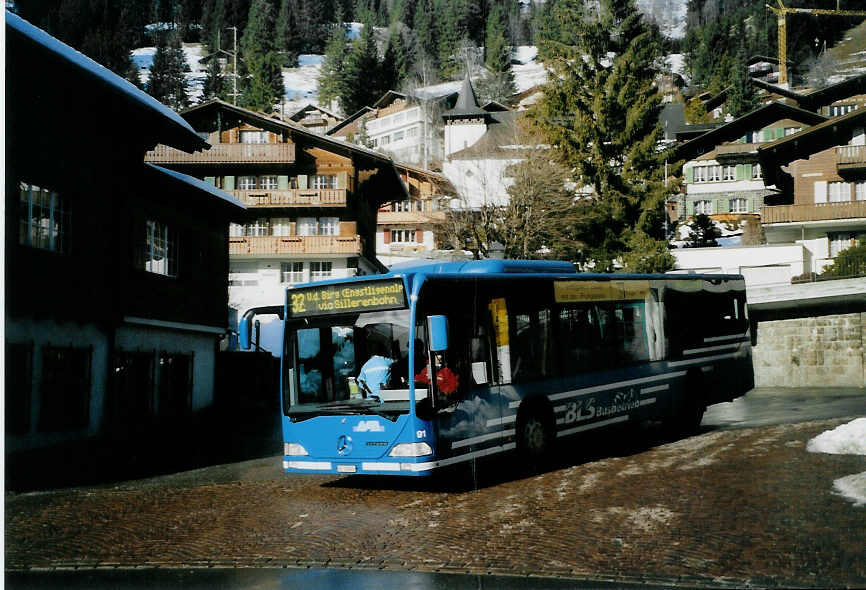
[783,11]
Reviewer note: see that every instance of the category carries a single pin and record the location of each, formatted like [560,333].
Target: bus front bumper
[365,467]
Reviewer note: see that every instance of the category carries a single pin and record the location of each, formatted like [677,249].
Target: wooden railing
[410,216]
[851,156]
[813,212]
[270,245]
[225,153]
[295,197]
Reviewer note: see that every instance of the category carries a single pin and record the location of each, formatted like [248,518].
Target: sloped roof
[30,49]
[299,114]
[467,103]
[755,119]
[348,121]
[819,137]
[388,98]
[498,143]
[200,185]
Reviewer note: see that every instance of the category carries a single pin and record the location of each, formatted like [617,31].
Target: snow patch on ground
[847,439]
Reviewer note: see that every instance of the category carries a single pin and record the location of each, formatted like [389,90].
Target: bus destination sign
[347,298]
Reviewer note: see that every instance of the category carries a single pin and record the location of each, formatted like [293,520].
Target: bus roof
[489,266]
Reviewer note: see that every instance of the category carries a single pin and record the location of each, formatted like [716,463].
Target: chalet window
[756,172]
[403,235]
[292,273]
[236,230]
[44,218]
[307,226]
[841,241]
[738,206]
[281,226]
[705,207]
[412,132]
[329,226]
[259,227]
[320,270]
[730,173]
[399,135]
[160,249]
[860,191]
[792,130]
[838,192]
[254,137]
[246,183]
[324,181]
[841,109]
[268,182]
[66,374]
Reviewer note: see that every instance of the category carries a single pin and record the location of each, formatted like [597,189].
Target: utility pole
[234,56]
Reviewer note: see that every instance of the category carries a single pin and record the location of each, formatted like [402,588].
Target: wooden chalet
[115,269]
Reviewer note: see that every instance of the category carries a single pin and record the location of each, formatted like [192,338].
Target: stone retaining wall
[821,351]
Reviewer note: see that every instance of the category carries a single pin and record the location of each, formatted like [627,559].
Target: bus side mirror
[244,329]
[437,328]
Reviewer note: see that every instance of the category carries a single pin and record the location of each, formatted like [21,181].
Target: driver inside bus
[375,373]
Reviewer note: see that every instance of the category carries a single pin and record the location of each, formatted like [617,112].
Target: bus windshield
[356,363]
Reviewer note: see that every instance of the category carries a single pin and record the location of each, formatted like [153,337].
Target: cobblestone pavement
[731,507]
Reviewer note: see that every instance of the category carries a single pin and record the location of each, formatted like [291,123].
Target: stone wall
[821,351]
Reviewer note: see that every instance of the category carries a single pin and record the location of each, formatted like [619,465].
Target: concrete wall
[821,351]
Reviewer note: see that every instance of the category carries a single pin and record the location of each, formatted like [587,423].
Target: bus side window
[532,346]
[579,339]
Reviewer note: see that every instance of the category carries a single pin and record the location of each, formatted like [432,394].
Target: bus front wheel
[535,436]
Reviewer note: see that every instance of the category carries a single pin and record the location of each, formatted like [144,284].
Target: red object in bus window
[446,380]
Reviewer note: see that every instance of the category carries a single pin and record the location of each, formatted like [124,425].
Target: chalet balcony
[294,245]
[731,150]
[226,153]
[813,212]
[292,197]
[410,217]
[850,157]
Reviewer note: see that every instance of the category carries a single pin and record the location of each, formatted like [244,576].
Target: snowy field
[847,439]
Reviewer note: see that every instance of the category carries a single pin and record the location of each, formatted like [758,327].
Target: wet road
[773,406]
[740,504]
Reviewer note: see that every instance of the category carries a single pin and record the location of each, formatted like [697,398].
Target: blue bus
[440,363]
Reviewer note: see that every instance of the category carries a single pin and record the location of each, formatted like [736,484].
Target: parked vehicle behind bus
[437,364]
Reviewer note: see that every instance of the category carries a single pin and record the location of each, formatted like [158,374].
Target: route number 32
[580,410]
[298,302]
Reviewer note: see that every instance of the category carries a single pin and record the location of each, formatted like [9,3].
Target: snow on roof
[82,62]
[199,184]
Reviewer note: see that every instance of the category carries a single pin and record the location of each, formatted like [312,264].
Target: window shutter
[747,172]
[302,181]
[282,182]
[387,236]
[229,183]
[740,172]
[780,132]
[690,175]
[767,134]
[820,191]
[210,180]
[690,208]
[343,179]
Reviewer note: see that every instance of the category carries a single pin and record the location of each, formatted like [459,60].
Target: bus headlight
[415,449]
[294,450]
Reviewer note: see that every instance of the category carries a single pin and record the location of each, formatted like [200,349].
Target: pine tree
[167,82]
[331,77]
[451,32]
[288,40]
[499,85]
[426,38]
[214,82]
[742,97]
[362,63]
[600,113]
[264,86]
[395,63]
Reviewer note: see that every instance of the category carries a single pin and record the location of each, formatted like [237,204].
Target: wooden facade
[116,270]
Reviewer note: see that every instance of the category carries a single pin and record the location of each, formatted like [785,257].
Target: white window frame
[247,183]
[292,273]
[329,226]
[403,236]
[838,192]
[756,172]
[729,172]
[860,190]
[323,181]
[45,218]
[307,226]
[738,205]
[268,182]
[253,137]
[160,249]
[321,269]
[704,206]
